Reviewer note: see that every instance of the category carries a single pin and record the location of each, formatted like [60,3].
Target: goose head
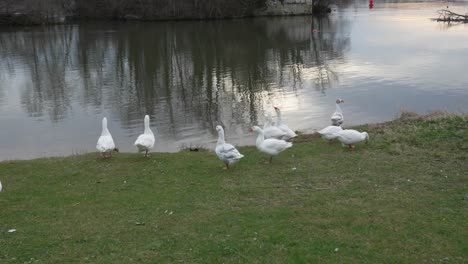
[220,130]
[339,100]
[255,129]
[366,136]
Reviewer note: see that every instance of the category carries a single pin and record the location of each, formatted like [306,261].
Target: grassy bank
[402,198]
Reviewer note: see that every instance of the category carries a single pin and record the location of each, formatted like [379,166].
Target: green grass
[402,198]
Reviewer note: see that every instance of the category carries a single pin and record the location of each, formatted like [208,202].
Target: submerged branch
[446,15]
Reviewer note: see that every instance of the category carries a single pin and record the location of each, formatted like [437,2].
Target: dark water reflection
[57,82]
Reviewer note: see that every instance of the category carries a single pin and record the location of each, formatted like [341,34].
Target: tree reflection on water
[197,73]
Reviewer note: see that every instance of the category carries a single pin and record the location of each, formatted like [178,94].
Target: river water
[57,82]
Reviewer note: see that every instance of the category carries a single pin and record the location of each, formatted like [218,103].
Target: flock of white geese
[272,139]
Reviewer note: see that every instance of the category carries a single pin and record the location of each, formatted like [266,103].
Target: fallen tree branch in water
[446,15]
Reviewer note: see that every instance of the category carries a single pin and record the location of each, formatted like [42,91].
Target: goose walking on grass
[270,146]
[105,143]
[225,151]
[271,131]
[349,137]
[279,123]
[330,132]
[145,141]
[337,118]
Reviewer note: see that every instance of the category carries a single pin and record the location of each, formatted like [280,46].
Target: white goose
[270,131]
[1,187]
[105,143]
[337,118]
[225,151]
[349,137]
[279,123]
[271,146]
[330,132]
[145,141]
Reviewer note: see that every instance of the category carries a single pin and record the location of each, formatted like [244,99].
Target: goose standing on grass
[1,187]
[225,151]
[349,137]
[271,146]
[337,118]
[330,132]
[105,143]
[279,123]
[145,141]
[270,131]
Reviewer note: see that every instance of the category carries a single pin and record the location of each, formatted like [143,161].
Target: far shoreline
[22,17]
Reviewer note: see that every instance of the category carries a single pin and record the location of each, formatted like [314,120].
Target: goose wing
[105,143]
[349,136]
[275,145]
[274,132]
[288,132]
[337,117]
[330,130]
[227,152]
[145,141]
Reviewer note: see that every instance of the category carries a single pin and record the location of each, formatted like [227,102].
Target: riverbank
[56,12]
[401,198]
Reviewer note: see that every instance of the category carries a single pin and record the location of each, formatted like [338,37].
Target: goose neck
[148,131]
[147,126]
[338,108]
[267,122]
[221,138]
[278,117]
[104,131]
[260,138]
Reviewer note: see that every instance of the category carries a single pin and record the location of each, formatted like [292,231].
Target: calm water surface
[57,82]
